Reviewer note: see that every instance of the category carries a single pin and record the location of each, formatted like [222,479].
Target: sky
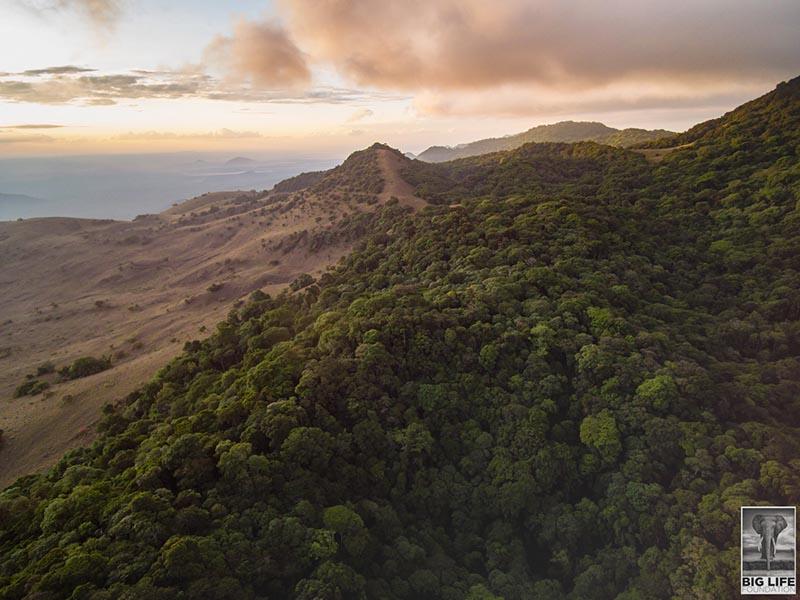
[331,76]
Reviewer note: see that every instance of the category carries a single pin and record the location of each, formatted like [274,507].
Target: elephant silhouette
[768,528]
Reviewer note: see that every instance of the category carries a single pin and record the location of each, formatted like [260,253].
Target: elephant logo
[768,550]
[768,528]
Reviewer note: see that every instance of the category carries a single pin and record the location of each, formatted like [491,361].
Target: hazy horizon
[122,186]
[143,182]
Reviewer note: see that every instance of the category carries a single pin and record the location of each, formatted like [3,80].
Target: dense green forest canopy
[299,182]
[580,170]
[561,380]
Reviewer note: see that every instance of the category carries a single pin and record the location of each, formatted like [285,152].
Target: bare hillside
[138,290]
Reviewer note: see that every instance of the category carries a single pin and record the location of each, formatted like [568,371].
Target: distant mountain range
[565,131]
[17,198]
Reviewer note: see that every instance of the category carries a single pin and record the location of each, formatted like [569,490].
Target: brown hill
[138,290]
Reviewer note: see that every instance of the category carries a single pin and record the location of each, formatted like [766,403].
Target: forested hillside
[562,380]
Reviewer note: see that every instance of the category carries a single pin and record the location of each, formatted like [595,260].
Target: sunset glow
[80,76]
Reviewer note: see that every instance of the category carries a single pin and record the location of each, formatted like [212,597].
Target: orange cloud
[360,114]
[577,45]
[261,54]
[524,100]
[101,12]
[464,57]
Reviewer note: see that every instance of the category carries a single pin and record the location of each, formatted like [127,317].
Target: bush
[31,387]
[85,366]
[46,368]
[301,282]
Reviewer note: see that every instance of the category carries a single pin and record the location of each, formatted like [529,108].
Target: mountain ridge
[152,279]
[564,131]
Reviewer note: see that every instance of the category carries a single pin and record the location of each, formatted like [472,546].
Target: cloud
[222,134]
[359,115]
[100,102]
[61,88]
[261,54]
[31,126]
[25,139]
[55,87]
[101,13]
[461,57]
[63,70]
[519,100]
[450,48]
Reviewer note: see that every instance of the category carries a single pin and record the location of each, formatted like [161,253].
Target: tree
[600,432]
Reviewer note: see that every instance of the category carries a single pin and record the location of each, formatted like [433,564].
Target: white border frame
[741,548]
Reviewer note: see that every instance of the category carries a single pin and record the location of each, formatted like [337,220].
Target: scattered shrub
[301,282]
[45,368]
[85,366]
[32,387]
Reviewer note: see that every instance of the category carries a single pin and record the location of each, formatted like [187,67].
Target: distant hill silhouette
[565,131]
[11,203]
[240,161]
[18,198]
